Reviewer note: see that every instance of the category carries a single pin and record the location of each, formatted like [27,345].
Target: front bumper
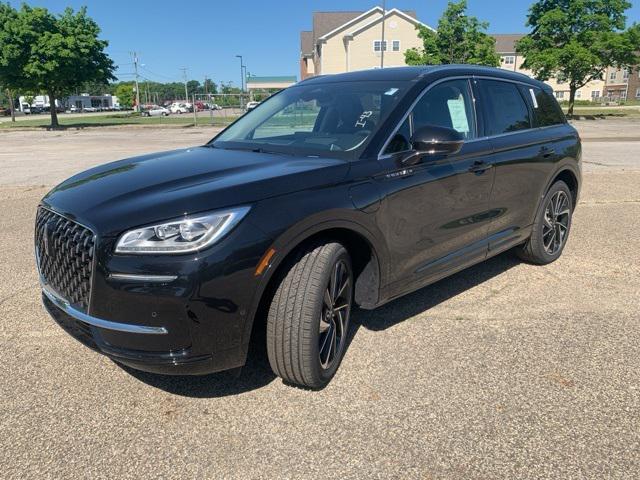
[198,321]
[178,362]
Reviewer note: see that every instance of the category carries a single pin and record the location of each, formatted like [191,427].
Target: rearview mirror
[433,140]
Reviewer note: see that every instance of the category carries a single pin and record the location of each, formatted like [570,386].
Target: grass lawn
[43,121]
[606,111]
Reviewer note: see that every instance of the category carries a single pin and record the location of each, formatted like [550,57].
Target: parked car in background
[343,190]
[5,112]
[155,111]
[215,106]
[89,109]
[179,108]
[251,105]
[73,109]
[26,108]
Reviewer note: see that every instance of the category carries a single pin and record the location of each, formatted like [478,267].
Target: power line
[173,79]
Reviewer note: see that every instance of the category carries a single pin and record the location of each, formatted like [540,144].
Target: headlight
[183,235]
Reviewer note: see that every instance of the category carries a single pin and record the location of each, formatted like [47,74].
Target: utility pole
[205,85]
[382,44]
[184,76]
[135,64]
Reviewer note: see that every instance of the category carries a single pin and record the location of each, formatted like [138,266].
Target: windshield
[328,119]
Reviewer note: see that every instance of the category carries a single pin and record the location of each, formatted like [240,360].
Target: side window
[505,108]
[546,111]
[401,141]
[449,105]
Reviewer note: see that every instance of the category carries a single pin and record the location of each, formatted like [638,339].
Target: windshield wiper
[258,150]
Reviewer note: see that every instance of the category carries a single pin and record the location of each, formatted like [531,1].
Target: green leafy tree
[577,40]
[125,94]
[459,39]
[53,54]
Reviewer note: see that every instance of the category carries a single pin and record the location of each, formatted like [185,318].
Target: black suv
[343,190]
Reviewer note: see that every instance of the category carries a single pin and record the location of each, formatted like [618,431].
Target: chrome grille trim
[65,257]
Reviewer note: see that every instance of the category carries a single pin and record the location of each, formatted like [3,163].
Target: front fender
[290,221]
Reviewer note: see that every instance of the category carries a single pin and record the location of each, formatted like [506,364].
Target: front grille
[65,251]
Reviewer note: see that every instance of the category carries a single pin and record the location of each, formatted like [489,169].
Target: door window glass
[449,105]
[505,108]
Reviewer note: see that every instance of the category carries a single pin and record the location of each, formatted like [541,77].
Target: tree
[577,40]
[54,54]
[11,58]
[124,92]
[459,39]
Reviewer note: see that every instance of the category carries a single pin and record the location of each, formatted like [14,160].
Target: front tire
[308,319]
[551,227]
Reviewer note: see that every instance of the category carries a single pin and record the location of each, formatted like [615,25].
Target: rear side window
[546,111]
[505,109]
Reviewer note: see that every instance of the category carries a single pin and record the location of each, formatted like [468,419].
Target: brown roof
[324,22]
[506,42]
[306,42]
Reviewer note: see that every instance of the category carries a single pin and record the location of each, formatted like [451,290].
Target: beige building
[622,84]
[348,41]
[510,60]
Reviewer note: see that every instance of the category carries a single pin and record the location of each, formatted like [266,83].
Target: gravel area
[505,370]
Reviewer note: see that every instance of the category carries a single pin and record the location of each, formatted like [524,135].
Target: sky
[205,36]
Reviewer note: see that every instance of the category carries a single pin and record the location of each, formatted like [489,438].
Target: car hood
[157,187]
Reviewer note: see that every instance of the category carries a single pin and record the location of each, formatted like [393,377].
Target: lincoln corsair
[341,191]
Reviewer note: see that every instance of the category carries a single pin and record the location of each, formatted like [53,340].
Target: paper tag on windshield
[458,115]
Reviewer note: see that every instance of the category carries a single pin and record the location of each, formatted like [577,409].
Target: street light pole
[241,79]
[241,73]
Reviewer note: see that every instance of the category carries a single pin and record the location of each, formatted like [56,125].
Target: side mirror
[432,140]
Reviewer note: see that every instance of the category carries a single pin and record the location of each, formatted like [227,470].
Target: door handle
[479,167]
[547,152]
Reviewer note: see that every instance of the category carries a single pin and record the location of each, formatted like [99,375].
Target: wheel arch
[569,176]
[366,254]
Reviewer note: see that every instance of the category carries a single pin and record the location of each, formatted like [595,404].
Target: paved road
[505,370]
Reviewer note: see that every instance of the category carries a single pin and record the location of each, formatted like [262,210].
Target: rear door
[520,154]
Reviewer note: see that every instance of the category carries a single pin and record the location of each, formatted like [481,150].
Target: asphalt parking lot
[505,370]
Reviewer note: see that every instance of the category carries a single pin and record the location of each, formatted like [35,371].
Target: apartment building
[622,84]
[511,60]
[348,41]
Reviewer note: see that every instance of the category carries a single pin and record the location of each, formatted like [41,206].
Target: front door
[435,214]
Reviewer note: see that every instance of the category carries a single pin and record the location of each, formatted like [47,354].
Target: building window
[578,94]
[623,94]
[612,76]
[625,74]
[559,95]
[595,95]
[638,92]
[509,60]
[395,45]
[377,44]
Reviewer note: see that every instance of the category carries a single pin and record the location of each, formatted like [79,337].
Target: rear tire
[308,319]
[551,227]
